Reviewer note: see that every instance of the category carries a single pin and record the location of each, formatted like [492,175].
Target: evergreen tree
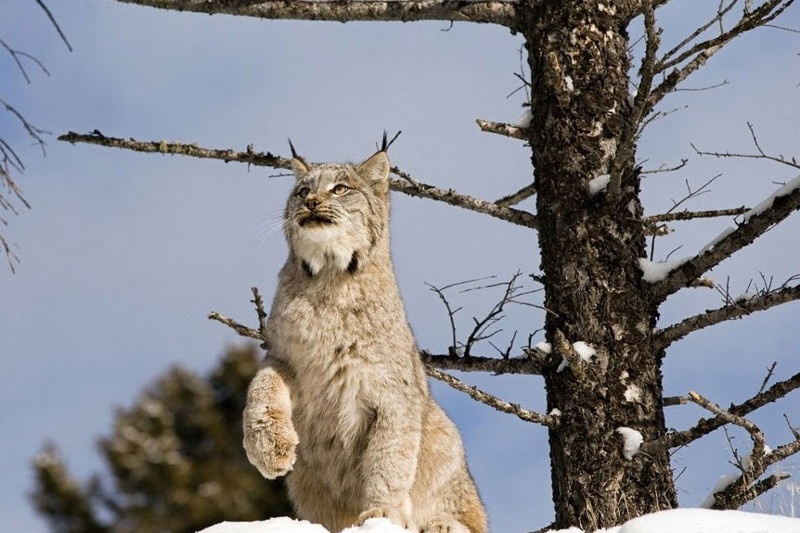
[175,461]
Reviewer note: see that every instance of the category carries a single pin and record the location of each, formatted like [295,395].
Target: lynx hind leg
[269,436]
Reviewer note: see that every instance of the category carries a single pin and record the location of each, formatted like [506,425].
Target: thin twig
[501,405]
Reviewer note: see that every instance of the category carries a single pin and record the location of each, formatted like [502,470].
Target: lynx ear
[375,171]
[299,164]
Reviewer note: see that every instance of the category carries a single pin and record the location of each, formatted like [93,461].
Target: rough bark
[590,246]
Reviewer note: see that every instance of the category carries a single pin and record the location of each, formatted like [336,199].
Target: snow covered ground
[674,521]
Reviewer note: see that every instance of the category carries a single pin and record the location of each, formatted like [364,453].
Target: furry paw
[395,516]
[270,443]
[449,525]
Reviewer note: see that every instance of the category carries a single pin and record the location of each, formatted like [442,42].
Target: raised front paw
[395,515]
[270,443]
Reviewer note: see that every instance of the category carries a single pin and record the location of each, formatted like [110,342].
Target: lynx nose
[311,203]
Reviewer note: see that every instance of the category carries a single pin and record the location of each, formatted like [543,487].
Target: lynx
[341,403]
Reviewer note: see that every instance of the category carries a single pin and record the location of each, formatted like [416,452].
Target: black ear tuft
[384,144]
[291,147]
[298,163]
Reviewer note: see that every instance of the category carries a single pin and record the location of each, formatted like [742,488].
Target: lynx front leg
[269,436]
[389,464]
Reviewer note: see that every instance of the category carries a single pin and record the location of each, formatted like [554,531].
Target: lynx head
[338,213]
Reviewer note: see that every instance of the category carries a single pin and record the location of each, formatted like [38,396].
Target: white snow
[687,520]
[555,412]
[745,296]
[631,441]
[724,233]
[287,525]
[791,186]
[568,82]
[599,184]
[655,271]
[726,479]
[722,483]
[633,393]
[544,347]
[584,350]
[525,120]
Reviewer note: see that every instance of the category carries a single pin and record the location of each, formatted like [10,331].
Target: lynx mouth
[314,220]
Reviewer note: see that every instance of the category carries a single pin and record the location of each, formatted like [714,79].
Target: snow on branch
[738,308]
[755,223]
[735,491]
[706,425]
[406,184]
[497,12]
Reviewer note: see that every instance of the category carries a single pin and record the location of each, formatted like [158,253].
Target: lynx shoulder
[341,403]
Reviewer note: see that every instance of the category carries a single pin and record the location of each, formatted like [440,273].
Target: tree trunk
[590,248]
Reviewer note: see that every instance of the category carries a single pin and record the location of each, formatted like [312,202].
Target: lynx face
[337,213]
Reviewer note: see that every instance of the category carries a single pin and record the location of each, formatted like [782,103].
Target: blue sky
[124,254]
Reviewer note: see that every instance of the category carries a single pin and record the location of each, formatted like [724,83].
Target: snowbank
[674,521]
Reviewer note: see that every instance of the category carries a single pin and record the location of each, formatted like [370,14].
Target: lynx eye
[303,192]
[340,188]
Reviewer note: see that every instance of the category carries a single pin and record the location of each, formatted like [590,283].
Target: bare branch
[476,394]
[689,215]
[500,128]
[697,55]
[691,193]
[54,23]
[249,156]
[626,145]
[791,162]
[737,309]
[453,349]
[502,13]
[517,197]
[668,59]
[707,425]
[744,488]
[406,185]
[516,365]
[240,329]
[508,365]
[756,222]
